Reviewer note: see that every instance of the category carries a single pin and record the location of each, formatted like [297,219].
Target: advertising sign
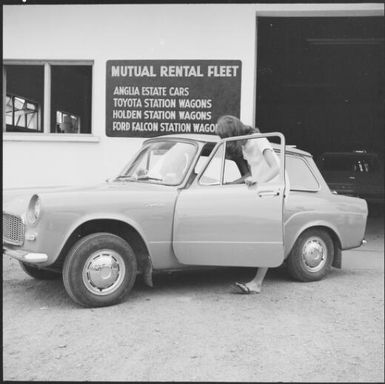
[146,98]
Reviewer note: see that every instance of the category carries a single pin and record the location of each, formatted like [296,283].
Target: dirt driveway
[191,327]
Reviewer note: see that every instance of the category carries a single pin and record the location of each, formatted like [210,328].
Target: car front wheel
[311,256]
[100,270]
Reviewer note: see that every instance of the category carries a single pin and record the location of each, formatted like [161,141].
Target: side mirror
[141,172]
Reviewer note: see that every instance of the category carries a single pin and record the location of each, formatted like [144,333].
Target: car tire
[311,256]
[100,270]
[39,274]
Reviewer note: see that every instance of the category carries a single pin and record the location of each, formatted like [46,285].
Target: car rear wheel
[39,274]
[100,270]
[311,256]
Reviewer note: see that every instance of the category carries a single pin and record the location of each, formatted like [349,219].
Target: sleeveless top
[253,153]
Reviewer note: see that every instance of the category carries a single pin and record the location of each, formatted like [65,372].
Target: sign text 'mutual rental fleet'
[146,98]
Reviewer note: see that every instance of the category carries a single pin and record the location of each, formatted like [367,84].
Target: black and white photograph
[193,191]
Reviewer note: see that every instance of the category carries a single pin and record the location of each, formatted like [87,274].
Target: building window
[71,98]
[24,98]
[47,97]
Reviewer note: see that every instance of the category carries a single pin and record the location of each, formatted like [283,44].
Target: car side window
[212,173]
[300,175]
[232,173]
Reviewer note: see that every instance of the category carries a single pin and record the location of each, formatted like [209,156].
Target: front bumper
[27,257]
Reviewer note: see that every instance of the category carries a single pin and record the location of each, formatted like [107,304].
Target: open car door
[220,221]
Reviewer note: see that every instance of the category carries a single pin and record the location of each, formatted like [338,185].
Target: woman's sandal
[244,288]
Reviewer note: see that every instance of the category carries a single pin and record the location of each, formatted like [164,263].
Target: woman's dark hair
[228,126]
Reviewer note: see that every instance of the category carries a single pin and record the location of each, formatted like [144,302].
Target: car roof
[190,136]
[215,139]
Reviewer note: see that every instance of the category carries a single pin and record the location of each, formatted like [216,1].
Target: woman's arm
[273,166]
[269,172]
[272,172]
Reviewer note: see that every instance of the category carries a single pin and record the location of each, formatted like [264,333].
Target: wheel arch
[117,227]
[332,232]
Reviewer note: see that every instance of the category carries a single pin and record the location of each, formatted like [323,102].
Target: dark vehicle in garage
[358,173]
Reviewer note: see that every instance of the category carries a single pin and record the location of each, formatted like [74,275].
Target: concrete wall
[130,32]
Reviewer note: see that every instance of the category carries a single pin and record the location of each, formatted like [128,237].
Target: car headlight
[34,209]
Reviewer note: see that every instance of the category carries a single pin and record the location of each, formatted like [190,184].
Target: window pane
[19,118]
[21,114]
[25,98]
[31,119]
[234,161]
[67,123]
[231,172]
[8,110]
[31,106]
[212,174]
[19,103]
[59,117]
[300,176]
[205,154]
[71,98]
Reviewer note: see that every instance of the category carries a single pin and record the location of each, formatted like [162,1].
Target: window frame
[280,150]
[46,134]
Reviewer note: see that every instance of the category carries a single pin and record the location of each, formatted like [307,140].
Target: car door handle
[268,193]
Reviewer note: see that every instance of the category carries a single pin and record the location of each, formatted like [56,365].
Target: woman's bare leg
[255,285]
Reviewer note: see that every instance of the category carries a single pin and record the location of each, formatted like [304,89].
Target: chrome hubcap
[314,254]
[103,272]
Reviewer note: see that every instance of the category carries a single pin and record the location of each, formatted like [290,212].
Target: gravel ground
[193,327]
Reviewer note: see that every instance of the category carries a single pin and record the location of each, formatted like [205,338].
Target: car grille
[13,229]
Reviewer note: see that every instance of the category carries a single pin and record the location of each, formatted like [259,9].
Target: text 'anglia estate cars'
[180,203]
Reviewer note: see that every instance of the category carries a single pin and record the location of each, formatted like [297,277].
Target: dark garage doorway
[320,81]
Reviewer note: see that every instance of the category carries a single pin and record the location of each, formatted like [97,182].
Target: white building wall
[127,32]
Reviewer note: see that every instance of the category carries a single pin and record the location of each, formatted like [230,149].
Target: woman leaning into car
[264,167]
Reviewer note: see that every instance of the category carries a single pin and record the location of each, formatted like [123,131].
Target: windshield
[161,162]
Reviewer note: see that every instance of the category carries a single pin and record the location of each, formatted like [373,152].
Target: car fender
[101,216]
[296,225]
